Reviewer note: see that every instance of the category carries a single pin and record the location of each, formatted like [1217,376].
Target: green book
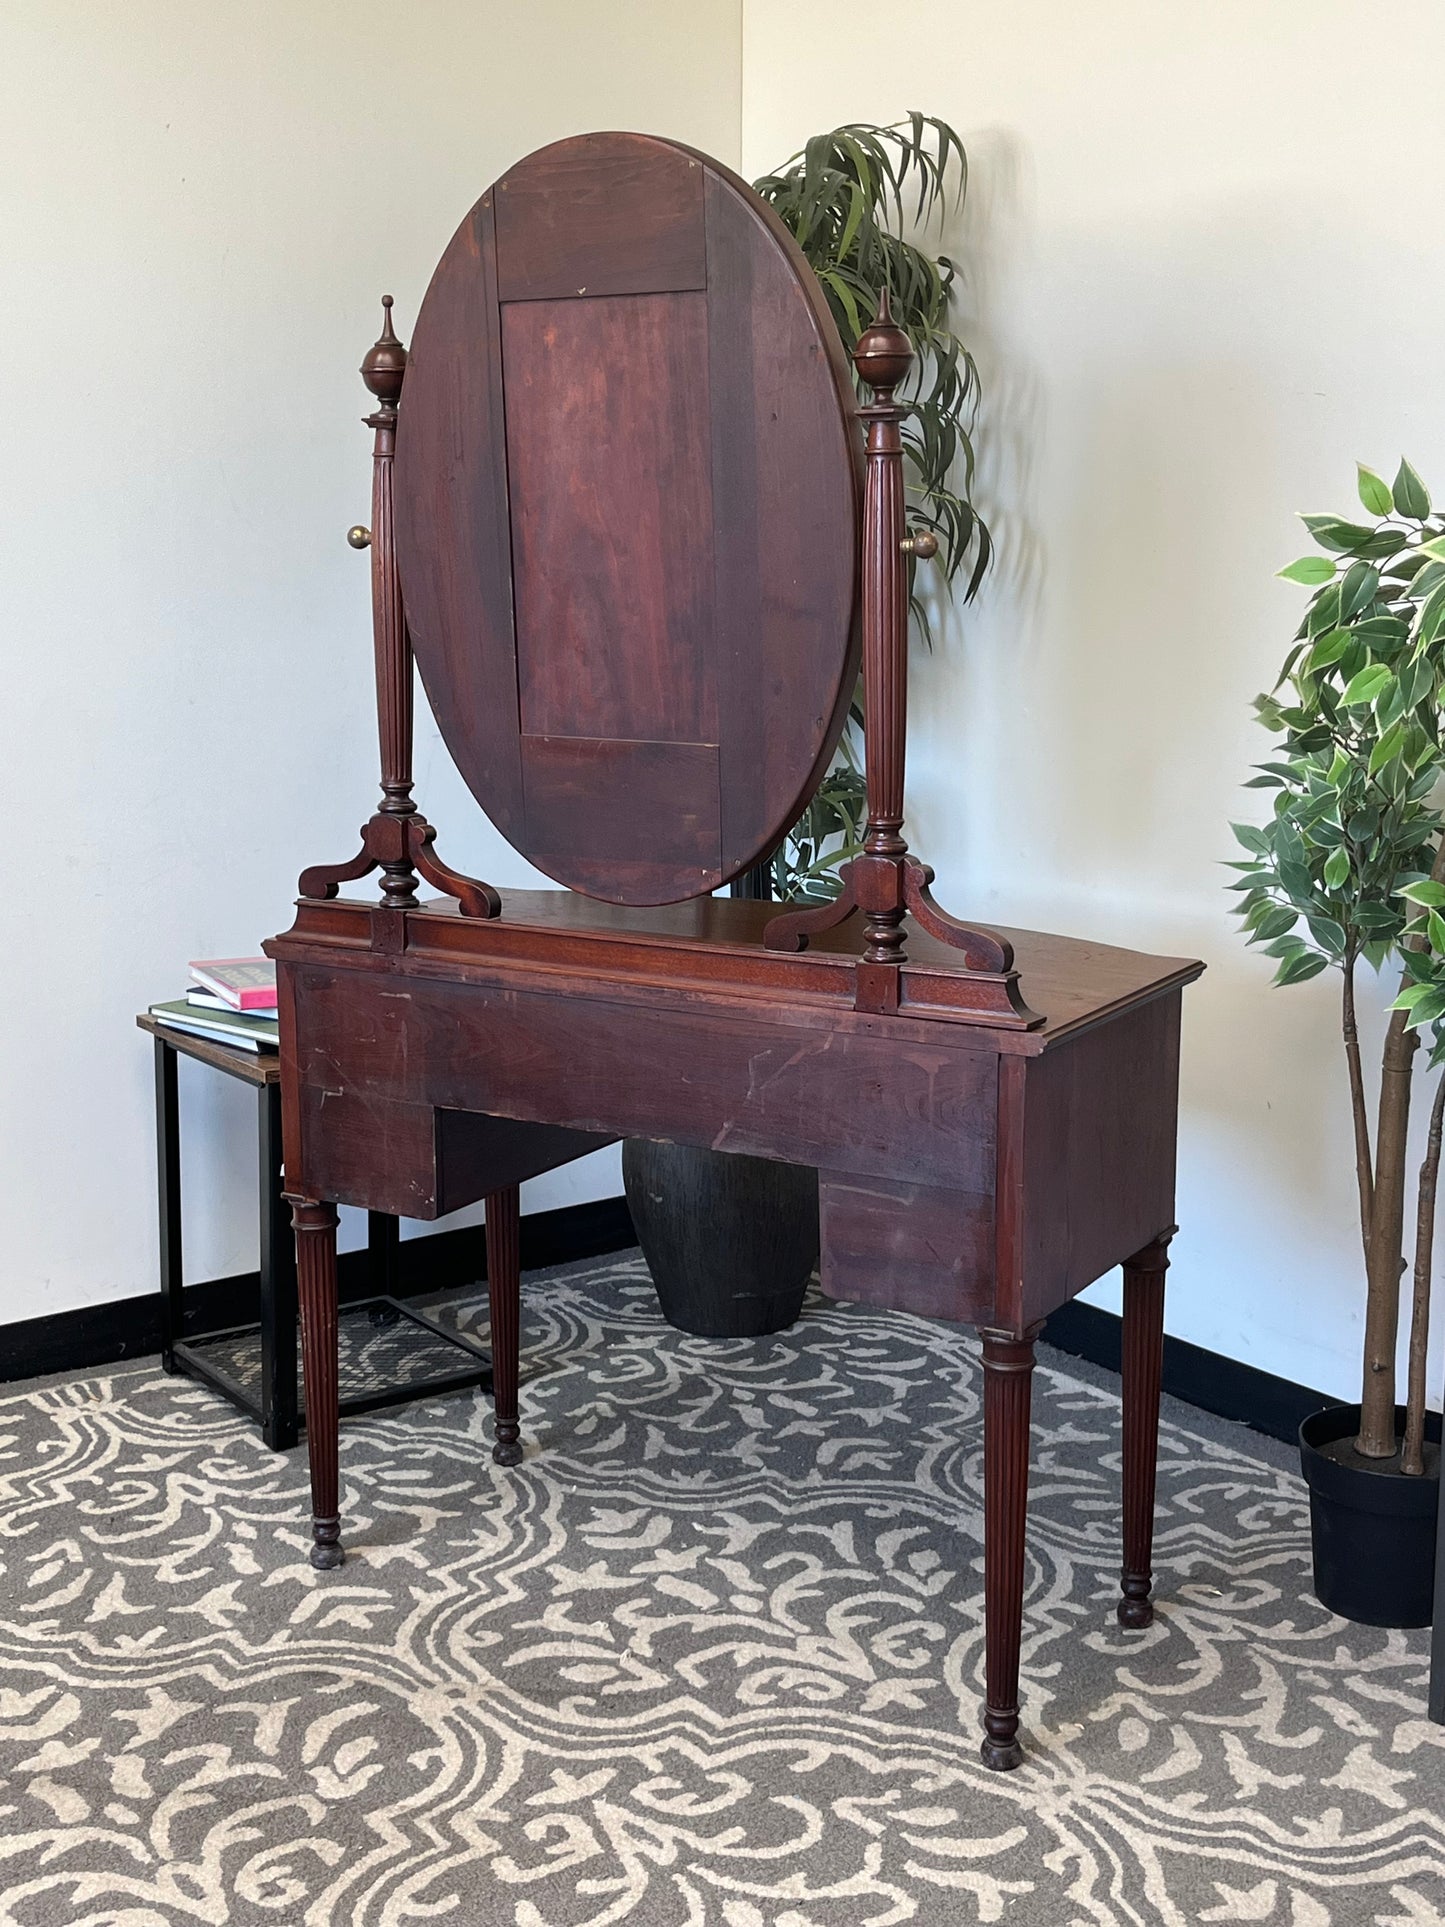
[224,1026]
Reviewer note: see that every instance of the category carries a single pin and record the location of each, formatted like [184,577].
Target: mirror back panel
[627,484]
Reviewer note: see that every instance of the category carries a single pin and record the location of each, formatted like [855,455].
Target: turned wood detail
[398,839]
[886,883]
[1008,1364]
[504,1310]
[1142,1364]
[315,1227]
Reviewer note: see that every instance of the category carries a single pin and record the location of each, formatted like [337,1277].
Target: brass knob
[923,543]
[359,537]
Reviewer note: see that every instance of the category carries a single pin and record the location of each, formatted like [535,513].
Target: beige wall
[1204,276]
[199,208]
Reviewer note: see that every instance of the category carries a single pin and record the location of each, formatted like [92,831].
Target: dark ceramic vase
[731,1241]
[1372,1528]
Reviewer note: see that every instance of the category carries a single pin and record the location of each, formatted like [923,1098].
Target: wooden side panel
[1100,1124]
[909,1247]
[585,799]
[364,1146]
[573,221]
[453,520]
[855,1103]
[476,1155]
[374,1148]
[783,607]
[612,517]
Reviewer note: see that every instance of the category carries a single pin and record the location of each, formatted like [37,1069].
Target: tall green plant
[852,198]
[1351,866]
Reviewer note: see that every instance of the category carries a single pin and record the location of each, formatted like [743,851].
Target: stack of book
[231,1000]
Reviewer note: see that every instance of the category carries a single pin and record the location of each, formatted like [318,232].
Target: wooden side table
[275,1407]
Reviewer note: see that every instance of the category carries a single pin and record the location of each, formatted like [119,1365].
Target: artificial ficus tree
[1351,867]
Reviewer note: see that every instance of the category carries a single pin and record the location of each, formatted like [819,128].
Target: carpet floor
[711,1657]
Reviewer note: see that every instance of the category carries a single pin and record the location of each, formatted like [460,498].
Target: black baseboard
[100,1335]
[96,1335]
[1206,1379]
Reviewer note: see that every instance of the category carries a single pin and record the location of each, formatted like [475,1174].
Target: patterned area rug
[710,1658]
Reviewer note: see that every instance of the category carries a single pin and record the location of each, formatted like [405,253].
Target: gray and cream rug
[710,1658]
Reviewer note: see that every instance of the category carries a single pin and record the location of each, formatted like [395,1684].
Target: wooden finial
[884,353]
[385,365]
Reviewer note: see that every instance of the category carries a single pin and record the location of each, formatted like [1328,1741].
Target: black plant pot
[731,1241]
[1373,1528]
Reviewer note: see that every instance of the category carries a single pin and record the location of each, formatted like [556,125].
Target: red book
[246,983]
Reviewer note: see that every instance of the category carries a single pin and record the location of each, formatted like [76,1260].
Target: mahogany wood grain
[1143,1360]
[504,1288]
[1008,1365]
[717,943]
[910,1247]
[746,1079]
[604,214]
[623,373]
[1099,1123]
[315,1226]
[454,537]
[610,476]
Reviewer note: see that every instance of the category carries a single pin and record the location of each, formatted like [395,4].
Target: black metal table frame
[277,1410]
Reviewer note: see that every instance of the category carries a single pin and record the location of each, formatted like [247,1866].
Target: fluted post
[504,1302]
[1008,1364]
[883,357]
[1143,1361]
[315,1226]
[383,371]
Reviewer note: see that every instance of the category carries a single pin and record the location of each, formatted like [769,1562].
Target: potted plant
[1350,869]
[731,1241]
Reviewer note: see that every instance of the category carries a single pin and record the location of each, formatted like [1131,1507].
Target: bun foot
[999,1748]
[1001,1756]
[1135,1609]
[507,1452]
[327,1552]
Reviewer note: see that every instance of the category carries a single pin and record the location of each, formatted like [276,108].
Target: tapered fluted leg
[315,1226]
[1008,1364]
[504,1298]
[1142,1362]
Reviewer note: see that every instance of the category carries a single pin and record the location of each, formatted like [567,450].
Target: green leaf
[1357,591]
[1410,494]
[1430,1007]
[1435,925]
[1332,533]
[1411,995]
[1423,890]
[1367,685]
[1374,490]
[1310,570]
[1328,934]
[1302,965]
[1324,613]
[1435,548]
[1327,650]
[1337,867]
[1275,922]
[1387,749]
[1432,616]
[1256,840]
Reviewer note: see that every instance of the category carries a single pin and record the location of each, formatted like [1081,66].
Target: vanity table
[637,529]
